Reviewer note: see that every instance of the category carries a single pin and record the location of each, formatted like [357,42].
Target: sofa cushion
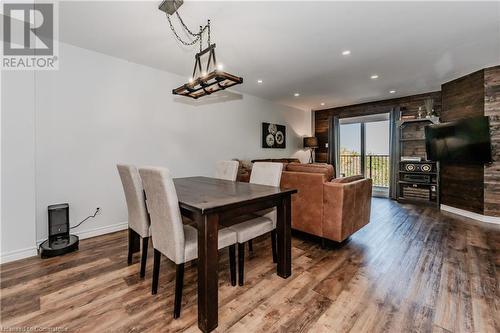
[326,169]
[347,179]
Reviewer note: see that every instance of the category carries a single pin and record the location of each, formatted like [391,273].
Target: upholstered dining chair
[138,218]
[263,173]
[175,240]
[227,170]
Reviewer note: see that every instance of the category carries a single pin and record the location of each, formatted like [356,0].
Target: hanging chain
[194,41]
[198,36]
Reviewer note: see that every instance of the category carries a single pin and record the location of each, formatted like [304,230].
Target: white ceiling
[296,46]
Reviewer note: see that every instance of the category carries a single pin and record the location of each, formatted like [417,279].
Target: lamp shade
[311,142]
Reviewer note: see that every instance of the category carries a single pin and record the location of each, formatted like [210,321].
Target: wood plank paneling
[411,269]
[492,171]
[462,186]
[410,103]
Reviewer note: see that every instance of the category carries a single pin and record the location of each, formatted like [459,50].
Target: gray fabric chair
[138,218]
[178,242]
[227,170]
[263,173]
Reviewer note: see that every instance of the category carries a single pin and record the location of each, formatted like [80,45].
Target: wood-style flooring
[412,269]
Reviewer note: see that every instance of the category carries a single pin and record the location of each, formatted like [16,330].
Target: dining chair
[175,240]
[227,170]
[263,173]
[138,218]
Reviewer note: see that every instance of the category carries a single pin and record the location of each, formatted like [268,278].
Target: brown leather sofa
[326,207]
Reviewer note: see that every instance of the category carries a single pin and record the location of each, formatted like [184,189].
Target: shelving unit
[417,181]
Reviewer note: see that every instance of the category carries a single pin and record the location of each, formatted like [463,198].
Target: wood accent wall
[321,117]
[462,186]
[492,172]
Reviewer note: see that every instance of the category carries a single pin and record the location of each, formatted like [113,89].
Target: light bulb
[220,67]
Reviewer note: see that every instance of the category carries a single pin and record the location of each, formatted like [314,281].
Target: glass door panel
[350,149]
[377,152]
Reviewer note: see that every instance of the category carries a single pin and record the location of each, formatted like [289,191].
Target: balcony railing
[376,167]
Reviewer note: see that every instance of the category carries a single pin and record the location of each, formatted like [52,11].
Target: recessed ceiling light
[392,91]
[322,104]
[296,94]
[346,52]
[259,81]
[374,77]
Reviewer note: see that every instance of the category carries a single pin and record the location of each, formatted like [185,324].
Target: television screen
[465,141]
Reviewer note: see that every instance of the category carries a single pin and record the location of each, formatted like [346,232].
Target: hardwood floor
[411,269]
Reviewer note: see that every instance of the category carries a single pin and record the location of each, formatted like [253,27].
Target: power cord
[88,217]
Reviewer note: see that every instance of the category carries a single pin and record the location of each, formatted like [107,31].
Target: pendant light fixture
[206,79]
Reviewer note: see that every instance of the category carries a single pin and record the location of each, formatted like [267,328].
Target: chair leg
[144,256]
[179,281]
[241,262]
[133,244]
[156,271]
[232,263]
[274,246]
[250,246]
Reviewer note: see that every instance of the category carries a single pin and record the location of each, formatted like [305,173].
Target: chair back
[227,170]
[266,173]
[138,219]
[167,229]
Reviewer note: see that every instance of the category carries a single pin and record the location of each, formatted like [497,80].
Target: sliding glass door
[364,150]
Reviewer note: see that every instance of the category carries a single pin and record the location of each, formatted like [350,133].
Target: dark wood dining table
[210,201]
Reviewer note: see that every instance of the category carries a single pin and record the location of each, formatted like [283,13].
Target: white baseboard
[472,215]
[17,254]
[33,251]
[102,230]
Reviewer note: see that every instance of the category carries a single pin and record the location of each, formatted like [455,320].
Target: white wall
[98,110]
[17,227]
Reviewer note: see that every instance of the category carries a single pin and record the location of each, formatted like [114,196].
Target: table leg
[284,231]
[208,305]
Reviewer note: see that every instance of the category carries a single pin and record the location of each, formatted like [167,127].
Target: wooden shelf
[416,183]
[433,120]
[416,139]
[417,200]
[419,172]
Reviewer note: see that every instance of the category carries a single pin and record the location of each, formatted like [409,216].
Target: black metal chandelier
[204,81]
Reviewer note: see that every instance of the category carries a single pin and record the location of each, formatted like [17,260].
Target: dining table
[209,202]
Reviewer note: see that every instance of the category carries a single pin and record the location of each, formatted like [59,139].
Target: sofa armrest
[307,204]
[346,208]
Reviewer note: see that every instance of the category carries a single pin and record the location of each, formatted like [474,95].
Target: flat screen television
[466,141]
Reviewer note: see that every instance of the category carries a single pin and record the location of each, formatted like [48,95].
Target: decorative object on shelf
[273,136]
[203,81]
[420,112]
[407,117]
[311,143]
[411,158]
[429,107]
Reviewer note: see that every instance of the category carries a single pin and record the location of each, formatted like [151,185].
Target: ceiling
[297,46]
